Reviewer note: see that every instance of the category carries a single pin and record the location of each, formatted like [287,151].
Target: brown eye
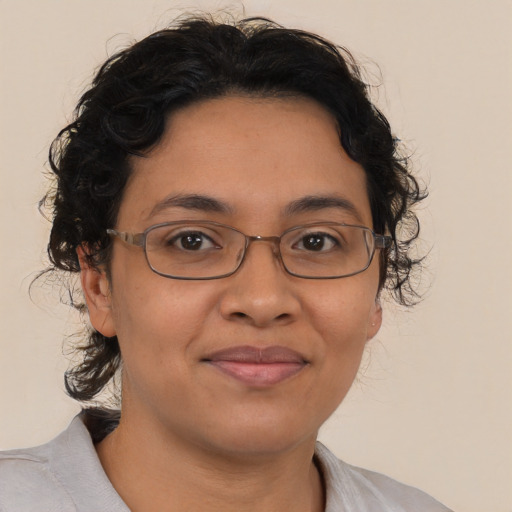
[316,242]
[192,241]
[313,243]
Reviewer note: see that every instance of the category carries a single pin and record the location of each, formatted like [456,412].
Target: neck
[155,471]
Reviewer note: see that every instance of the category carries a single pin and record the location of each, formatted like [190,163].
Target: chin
[261,445]
[255,436]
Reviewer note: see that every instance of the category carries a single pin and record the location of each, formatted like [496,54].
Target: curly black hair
[124,113]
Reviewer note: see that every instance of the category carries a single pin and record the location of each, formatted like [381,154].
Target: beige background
[432,406]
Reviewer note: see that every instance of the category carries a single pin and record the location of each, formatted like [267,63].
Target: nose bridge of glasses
[273,240]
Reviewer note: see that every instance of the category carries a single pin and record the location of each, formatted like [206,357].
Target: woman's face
[190,348]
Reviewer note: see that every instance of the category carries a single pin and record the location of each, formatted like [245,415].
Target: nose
[261,293]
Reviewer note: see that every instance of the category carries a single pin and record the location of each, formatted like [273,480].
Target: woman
[233,203]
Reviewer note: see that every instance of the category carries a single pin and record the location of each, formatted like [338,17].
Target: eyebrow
[209,204]
[191,202]
[314,203]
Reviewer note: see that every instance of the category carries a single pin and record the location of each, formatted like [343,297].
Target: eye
[316,242]
[192,241]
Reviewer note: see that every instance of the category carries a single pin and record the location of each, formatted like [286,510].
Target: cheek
[156,315]
[157,334]
[342,318]
[342,315]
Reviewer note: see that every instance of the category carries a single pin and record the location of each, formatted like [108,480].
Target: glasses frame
[139,240]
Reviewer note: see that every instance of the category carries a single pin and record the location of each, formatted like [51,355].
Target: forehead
[254,156]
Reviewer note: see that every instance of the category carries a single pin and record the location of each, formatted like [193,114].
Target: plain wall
[432,406]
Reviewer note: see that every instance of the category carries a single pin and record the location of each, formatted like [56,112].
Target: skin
[192,437]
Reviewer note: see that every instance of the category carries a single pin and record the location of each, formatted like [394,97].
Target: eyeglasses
[209,250]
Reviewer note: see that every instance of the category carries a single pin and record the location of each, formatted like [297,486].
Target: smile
[258,367]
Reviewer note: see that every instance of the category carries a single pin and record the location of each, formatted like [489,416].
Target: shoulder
[357,489]
[64,475]
[27,482]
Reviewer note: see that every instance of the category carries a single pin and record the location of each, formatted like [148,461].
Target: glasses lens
[194,250]
[323,251]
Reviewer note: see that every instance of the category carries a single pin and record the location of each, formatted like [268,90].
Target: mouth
[258,367]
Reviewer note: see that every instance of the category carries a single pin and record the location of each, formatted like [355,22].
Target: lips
[258,367]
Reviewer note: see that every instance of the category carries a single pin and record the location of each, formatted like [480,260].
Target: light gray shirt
[65,475]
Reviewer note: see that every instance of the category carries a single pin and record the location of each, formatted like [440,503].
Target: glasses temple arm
[382,241]
[129,238]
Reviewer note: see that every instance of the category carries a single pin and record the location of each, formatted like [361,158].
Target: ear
[96,289]
[374,320]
